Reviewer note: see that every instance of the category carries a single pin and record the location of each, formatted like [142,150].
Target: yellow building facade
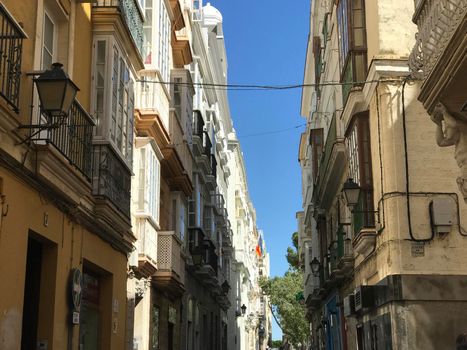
[66,186]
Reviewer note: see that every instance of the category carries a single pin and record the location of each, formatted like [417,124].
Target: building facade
[384,271]
[438,59]
[116,229]
[182,272]
[66,227]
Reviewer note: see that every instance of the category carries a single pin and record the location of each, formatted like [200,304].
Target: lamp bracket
[39,129]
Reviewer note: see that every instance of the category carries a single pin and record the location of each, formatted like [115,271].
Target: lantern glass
[243,309]
[56,91]
[197,256]
[315,265]
[351,192]
[225,287]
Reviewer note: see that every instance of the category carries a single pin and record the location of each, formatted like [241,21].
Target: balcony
[146,246]
[312,297]
[105,11]
[182,54]
[207,144]
[331,167]
[11,48]
[437,21]
[218,202]
[211,176]
[354,72]
[227,236]
[198,131]
[111,181]
[439,53]
[171,266]
[341,256]
[73,139]
[177,162]
[206,268]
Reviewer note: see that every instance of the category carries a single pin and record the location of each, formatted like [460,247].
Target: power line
[251,87]
[272,131]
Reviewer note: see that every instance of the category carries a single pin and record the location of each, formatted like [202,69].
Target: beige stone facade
[385,273]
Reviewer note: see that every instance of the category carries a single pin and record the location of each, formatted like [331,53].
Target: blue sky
[266,44]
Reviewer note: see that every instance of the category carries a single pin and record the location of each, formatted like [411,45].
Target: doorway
[32,287]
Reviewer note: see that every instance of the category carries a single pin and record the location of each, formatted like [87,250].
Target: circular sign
[76,288]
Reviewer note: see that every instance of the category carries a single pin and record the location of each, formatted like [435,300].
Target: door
[89,330]
[32,287]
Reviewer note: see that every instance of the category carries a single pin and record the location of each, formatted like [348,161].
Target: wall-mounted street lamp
[56,92]
[315,266]
[242,312]
[198,256]
[56,95]
[243,309]
[225,287]
[351,192]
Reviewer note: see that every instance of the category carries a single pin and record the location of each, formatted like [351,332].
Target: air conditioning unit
[349,305]
[364,297]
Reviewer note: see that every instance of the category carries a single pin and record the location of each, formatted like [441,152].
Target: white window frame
[164,41]
[179,215]
[118,87]
[53,20]
[148,180]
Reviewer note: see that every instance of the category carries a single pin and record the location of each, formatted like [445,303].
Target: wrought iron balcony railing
[11,48]
[207,145]
[363,215]
[111,178]
[214,166]
[218,201]
[437,21]
[73,139]
[198,124]
[331,138]
[132,17]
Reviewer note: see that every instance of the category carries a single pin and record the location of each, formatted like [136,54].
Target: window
[179,215]
[194,204]
[155,328]
[113,97]
[48,42]
[147,32]
[359,152]
[164,37]
[182,100]
[177,97]
[197,9]
[148,181]
[316,142]
[352,42]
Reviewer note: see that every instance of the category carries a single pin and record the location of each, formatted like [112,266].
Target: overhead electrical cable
[251,87]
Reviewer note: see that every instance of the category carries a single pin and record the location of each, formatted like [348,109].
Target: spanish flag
[259,247]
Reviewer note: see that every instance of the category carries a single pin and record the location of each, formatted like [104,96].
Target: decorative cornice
[148,123]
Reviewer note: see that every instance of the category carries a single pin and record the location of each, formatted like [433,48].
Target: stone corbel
[141,285]
[452,131]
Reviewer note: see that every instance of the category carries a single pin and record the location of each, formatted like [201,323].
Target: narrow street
[241,175]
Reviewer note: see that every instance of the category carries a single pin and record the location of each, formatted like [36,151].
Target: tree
[292,253]
[276,343]
[286,305]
